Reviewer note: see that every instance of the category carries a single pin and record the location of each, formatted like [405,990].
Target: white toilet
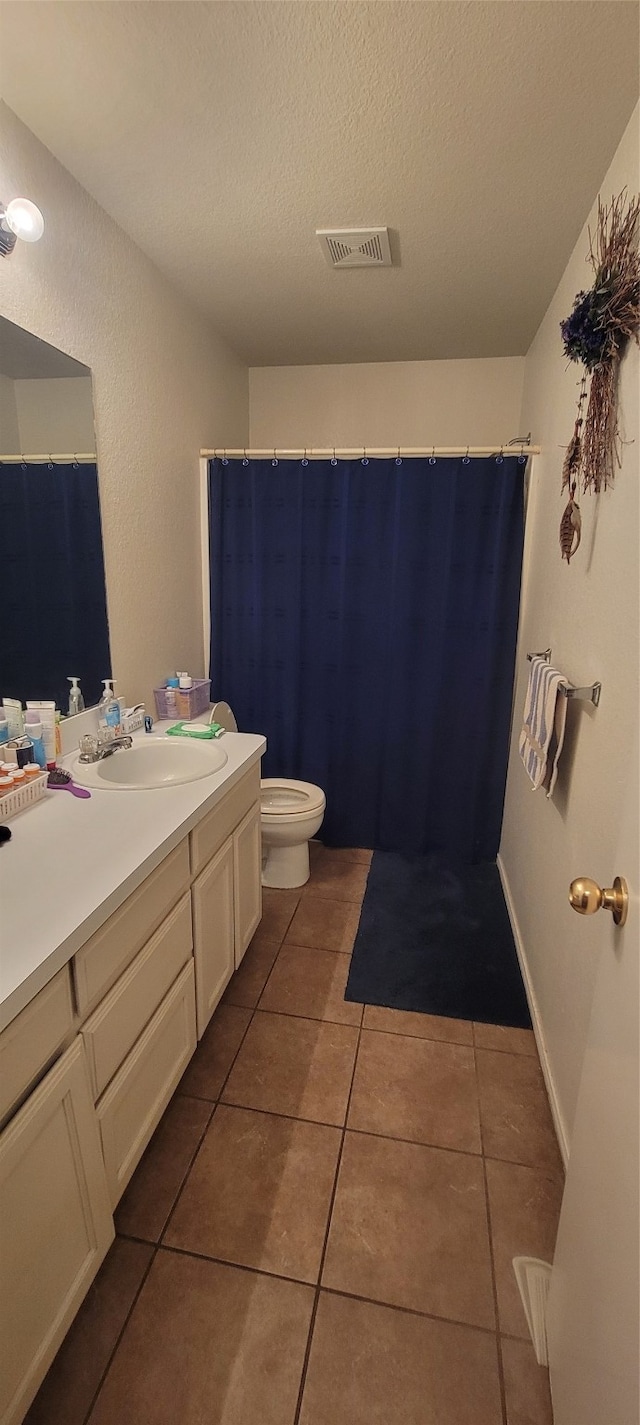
[292,813]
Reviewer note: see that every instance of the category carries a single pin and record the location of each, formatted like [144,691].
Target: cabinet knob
[586,896]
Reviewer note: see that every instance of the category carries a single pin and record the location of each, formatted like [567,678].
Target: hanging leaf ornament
[570,528]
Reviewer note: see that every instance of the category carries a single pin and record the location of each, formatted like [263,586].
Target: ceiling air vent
[355,247]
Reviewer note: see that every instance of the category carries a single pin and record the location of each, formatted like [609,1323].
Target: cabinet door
[213,937]
[55,1225]
[247,871]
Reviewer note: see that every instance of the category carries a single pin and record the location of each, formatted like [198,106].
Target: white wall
[163,384]
[9,428]
[410,403]
[55,415]
[588,613]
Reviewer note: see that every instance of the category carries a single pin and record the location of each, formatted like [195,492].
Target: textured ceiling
[220,135]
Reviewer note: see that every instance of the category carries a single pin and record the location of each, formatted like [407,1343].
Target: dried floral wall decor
[596,333]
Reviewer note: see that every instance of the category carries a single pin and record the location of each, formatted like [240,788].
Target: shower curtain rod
[16,459]
[383,452]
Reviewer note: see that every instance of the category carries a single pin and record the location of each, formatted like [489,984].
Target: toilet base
[285,867]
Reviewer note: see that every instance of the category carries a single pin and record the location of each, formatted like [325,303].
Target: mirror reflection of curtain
[364,618]
[52,584]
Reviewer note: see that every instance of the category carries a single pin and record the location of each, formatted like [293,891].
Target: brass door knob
[586,896]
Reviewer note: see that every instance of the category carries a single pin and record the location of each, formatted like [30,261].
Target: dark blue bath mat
[437,940]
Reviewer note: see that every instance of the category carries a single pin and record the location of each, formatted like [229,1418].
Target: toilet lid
[221,712]
[285,796]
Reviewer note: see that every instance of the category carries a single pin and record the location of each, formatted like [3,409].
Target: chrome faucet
[93,749]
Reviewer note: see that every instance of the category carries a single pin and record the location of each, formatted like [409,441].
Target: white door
[592,1323]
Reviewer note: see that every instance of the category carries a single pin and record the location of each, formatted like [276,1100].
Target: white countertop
[71,862]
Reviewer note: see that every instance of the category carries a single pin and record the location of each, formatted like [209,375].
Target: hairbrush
[62,781]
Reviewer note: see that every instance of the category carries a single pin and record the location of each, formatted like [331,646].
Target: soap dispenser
[76,700]
[109,709]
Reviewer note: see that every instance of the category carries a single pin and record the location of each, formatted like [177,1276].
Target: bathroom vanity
[123,919]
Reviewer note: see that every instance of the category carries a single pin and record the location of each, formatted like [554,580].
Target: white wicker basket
[23,797]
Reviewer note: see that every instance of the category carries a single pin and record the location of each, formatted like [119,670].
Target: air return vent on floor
[355,247]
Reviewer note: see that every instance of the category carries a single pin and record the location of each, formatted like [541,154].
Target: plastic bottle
[34,730]
[171,701]
[109,709]
[4,728]
[76,700]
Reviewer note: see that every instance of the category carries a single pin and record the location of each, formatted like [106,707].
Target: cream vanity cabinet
[226,862]
[55,1215]
[88,1068]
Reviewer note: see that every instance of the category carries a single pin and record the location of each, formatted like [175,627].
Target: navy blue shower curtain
[54,612]
[364,618]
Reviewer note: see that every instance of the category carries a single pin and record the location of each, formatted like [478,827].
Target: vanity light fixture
[20,219]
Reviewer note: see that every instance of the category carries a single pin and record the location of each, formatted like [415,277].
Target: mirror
[54,611]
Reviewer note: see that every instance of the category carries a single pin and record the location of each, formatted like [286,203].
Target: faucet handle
[88,747]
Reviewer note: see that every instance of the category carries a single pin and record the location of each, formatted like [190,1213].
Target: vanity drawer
[119,1020]
[136,1099]
[99,963]
[207,838]
[33,1038]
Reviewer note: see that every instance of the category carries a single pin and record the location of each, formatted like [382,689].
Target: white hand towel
[545,715]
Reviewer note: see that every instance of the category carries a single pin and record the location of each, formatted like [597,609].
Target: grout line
[86,1418]
[328,1290]
[316,1302]
[494,1282]
[359,1132]
[210,1120]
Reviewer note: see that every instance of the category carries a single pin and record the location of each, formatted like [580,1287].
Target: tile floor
[321,1230]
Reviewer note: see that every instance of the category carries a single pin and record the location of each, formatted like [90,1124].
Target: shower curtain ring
[465,458]
[365,458]
[275,458]
[500,457]
[50,463]
[334,461]
[304,458]
[245,459]
[224,458]
[432,457]
[398,457]
[76,463]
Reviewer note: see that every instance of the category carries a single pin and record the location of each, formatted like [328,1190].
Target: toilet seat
[221,713]
[285,797]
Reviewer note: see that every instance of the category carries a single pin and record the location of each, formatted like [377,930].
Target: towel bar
[590,694]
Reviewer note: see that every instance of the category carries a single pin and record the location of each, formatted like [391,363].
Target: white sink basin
[156,762]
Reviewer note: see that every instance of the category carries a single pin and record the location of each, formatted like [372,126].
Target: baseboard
[556,1113]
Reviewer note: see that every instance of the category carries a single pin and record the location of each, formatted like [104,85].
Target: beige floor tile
[345,853]
[154,1187]
[514,1111]
[246,986]
[259,1193]
[423,1026]
[208,1343]
[512,1041]
[323,924]
[278,907]
[524,1206]
[373,1364]
[336,877]
[409,1228]
[68,1389]
[311,983]
[417,1089]
[216,1052]
[300,1067]
[526,1385]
